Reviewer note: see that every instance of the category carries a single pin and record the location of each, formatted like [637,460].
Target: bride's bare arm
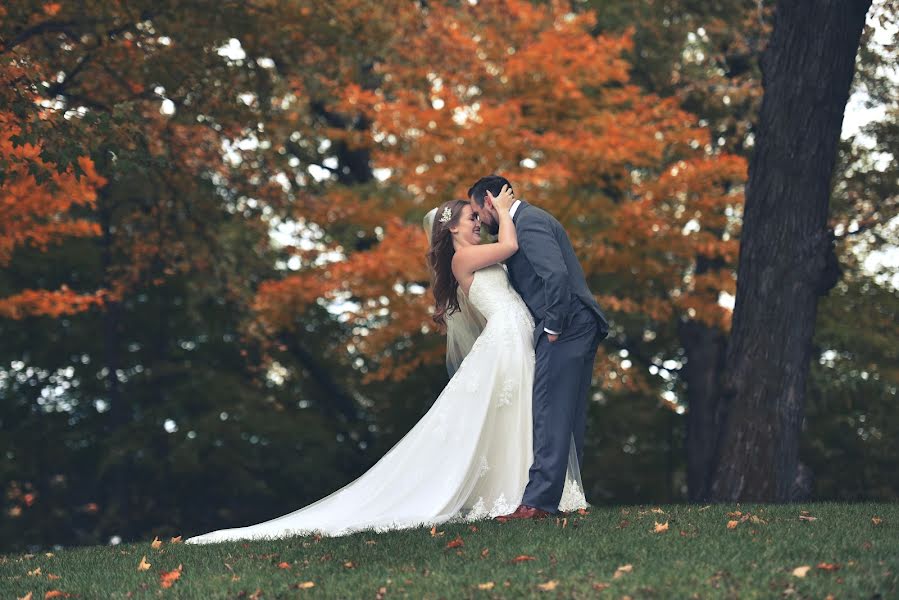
[469,259]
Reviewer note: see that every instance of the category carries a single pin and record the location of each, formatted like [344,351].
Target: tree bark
[705,349]
[786,251]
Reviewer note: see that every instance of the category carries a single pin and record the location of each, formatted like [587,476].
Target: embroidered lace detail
[483,468]
[572,497]
[478,511]
[505,394]
[501,506]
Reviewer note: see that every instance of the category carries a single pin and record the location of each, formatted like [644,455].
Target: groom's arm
[541,249]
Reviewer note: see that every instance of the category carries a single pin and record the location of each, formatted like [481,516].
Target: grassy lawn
[851,551]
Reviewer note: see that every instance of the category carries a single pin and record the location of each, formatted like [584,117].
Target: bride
[468,457]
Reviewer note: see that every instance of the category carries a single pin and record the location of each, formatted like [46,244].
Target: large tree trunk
[786,253]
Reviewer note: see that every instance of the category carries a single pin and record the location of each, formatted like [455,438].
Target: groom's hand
[552,337]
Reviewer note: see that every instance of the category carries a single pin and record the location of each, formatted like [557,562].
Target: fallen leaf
[49,555]
[548,586]
[735,513]
[455,543]
[175,540]
[235,578]
[522,558]
[283,565]
[305,585]
[156,544]
[486,586]
[57,594]
[25,597]
[34,573]
[622,570]
[825,566]
[370,542]
[875,520]
[807,518]
[600,586]
[484,553]
[660,527]
[168,578]
[704,507]
[144,565]
[758,520]
[51,576]
[349,564]
[473,528]
[256,595]
[382,591]
[582,511]
[801,571]
[732,524]
[657,510]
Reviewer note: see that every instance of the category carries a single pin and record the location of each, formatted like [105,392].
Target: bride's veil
[462,327]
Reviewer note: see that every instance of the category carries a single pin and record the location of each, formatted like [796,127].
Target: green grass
[697,557]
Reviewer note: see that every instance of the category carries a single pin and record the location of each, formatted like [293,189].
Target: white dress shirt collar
[513,208]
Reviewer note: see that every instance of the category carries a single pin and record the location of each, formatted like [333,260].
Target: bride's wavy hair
[440,262]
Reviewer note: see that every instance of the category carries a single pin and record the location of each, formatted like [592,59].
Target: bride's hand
[504,200]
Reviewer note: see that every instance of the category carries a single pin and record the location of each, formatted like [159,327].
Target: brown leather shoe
[523,512]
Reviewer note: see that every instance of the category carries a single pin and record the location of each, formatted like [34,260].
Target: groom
[570,325]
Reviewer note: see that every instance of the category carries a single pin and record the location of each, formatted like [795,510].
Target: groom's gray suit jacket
[546,273]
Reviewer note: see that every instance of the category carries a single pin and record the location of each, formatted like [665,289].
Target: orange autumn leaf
[826,566]
[168,578]
[548,586]
[143,565]
[283,565]
[622,570]
[732,524]
[156,544]
[522,558]
[486,586]
[456,543]
[660,527]
[176,539]
[57,594]
[305,585]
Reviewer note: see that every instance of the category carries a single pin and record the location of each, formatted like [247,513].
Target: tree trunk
[786,252]
[705,349]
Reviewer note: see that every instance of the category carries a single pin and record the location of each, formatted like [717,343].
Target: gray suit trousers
[562,376]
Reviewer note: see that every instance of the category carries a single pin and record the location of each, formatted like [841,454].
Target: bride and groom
[504,439]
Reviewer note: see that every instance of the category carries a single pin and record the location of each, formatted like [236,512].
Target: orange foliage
[36,214]
[527,91]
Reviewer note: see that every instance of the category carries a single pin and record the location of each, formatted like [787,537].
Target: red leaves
[456,543]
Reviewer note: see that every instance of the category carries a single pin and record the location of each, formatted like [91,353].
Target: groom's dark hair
[491,183]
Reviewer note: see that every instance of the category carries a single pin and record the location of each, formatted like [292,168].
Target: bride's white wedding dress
[466,459]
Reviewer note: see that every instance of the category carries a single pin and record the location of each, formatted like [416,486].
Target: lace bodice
[492,294]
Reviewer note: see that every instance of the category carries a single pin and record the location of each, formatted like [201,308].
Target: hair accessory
[447,215]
